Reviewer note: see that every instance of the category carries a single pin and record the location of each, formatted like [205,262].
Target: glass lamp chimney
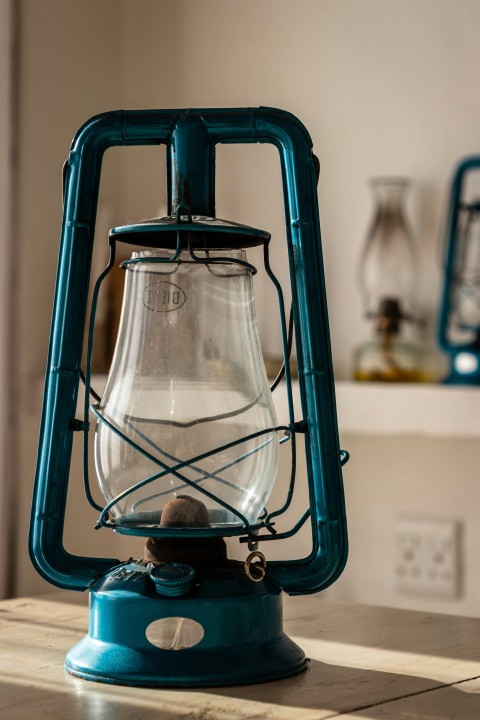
[387,267]
[187,377]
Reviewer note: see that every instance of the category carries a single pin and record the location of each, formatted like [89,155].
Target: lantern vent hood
[197,231]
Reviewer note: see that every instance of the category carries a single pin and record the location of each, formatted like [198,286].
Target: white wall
[408,475]
[69,52]
[383,87]
[7,174]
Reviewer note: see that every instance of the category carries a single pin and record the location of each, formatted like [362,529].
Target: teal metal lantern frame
[464,356]
[239,618]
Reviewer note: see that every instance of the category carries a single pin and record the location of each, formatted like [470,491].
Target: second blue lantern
[459,319]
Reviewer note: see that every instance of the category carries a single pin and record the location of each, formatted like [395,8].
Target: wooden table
[366,662]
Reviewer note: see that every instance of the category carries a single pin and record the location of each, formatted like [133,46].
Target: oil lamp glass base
[224,630]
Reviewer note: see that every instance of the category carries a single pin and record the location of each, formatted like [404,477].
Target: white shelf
[381,409]
[408,409]
[403,409]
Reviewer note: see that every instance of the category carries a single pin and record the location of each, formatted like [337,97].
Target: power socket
[427,556]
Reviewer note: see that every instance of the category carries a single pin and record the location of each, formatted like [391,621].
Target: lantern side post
[48,555]
[82,179]
[329,535]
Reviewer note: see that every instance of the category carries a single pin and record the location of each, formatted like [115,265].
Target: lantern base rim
[276,661]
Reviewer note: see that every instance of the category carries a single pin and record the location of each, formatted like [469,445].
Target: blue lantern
[186,435]
[459,320]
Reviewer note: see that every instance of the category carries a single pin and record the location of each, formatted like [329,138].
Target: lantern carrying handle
[191,137]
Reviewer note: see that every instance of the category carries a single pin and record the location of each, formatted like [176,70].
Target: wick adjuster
[256,571]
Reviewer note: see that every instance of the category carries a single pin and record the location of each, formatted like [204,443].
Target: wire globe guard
[123,608]
[238,625]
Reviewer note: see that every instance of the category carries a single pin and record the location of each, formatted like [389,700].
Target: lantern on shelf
[186,434]
[459,319]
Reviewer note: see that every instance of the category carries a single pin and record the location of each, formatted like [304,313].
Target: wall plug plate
[427,556]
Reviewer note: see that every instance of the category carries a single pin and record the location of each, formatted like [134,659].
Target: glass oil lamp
[459,319]
[387,281]
[186,435]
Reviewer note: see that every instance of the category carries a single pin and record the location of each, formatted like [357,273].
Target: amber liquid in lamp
[387,357]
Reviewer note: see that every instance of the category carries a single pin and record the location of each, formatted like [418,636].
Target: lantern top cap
[197,231]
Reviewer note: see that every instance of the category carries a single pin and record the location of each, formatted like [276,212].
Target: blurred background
[385,89]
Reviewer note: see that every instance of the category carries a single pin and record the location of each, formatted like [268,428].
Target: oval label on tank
[163,296]
[174,633]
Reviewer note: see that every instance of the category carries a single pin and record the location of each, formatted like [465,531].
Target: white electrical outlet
[427,556]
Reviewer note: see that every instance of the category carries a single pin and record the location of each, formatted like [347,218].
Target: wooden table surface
[365,662]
